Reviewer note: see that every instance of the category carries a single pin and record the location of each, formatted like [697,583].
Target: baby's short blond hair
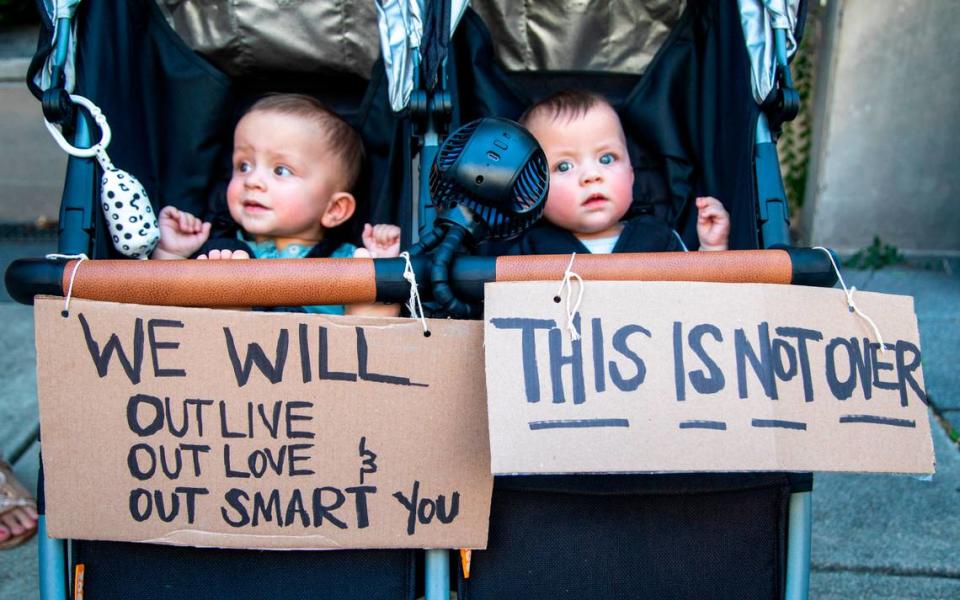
[342,140]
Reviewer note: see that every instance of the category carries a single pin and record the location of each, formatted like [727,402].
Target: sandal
[12,496]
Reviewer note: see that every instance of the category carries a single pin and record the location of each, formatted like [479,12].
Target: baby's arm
[181,234]
[379,241]
[713,224]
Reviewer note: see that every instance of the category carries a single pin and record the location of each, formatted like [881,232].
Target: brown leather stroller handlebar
[299,282]
[753,266]
[219,283]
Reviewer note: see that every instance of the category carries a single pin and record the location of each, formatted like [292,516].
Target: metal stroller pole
[774,216]
[76,225]
[77,216]
[773,212]
[437,576]
[432,107]
[77,220]
[52,561]
[798,546]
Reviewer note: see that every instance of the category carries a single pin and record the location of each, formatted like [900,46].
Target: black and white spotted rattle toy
[126,207]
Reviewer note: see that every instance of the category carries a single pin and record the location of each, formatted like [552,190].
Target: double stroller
[702,88]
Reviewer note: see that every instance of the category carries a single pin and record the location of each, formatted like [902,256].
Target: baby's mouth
[594,200]
[254,206]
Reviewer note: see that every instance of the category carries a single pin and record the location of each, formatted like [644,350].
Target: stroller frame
[78,224]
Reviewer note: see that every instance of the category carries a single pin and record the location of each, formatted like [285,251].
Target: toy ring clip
[98,117]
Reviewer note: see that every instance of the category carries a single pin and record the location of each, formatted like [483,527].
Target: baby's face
[591,180]
[283,176]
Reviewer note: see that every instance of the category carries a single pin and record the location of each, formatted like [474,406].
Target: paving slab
[19,578]
[882,536]
[890,524]
[869,586]
[18,391]
[18,414]
[935,290]
[940,344]
[953,418]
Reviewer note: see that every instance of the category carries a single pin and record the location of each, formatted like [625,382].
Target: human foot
[18,512]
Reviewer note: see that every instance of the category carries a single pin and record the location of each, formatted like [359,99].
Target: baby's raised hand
[181,234]
[380,241]
[713,224]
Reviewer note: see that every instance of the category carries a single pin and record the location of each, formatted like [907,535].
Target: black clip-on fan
[489,181]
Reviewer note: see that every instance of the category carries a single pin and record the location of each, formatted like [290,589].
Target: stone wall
[886,125]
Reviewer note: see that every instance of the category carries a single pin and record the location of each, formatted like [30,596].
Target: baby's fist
[381,241]
[181,234]
[713,224]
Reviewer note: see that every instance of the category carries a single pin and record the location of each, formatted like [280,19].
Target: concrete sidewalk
[31,182]
[18,417]
[881,536]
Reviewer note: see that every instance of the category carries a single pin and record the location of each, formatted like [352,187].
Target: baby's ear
[340,208]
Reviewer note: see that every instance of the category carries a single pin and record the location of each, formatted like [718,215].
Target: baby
[293,162]
[591,186]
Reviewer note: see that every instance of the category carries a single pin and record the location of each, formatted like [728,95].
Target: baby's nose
[591,174]
[254,178]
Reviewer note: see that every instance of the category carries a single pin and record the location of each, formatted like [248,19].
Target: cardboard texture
[675,377]
[242,429]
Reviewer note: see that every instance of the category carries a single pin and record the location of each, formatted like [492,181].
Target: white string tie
[79,258]
[850,303]
[569,275]
[413,303]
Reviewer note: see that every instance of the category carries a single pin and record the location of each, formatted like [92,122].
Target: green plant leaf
[875,256]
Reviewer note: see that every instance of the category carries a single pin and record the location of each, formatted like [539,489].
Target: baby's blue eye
[282,171]
[244,167]
[564,166]
[607,159]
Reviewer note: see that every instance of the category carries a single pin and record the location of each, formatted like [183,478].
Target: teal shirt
[268,249]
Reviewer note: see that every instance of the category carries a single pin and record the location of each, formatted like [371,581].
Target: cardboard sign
[673,377]
[243,429]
